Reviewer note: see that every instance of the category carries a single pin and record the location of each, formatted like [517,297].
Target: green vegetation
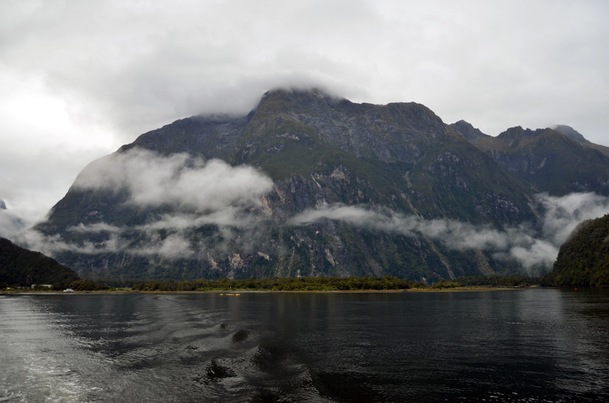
[332,284]
[282,284]
[515,280]
[509,281]
[387,283]
[20,267]
[86,285]
[445,284]
[583,261]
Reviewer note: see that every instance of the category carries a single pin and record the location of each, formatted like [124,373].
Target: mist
[533,250]
[179,181]
[192,193]
[10,224]
[197,192]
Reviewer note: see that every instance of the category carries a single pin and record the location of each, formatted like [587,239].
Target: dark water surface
[517,346]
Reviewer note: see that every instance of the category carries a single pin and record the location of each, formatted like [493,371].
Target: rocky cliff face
[308,184]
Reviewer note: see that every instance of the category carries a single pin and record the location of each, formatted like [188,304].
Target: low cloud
[173,235]
[532,249]
[454,234]
[173,246]
[94,228]
[10,224]
[197,192]
[563,214]
[53,244]
[179,181]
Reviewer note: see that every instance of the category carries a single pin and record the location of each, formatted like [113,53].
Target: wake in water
[166,351]
[256,367]
[483,346]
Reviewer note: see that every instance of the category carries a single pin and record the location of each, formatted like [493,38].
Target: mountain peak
[292,96]
[299,91]
[570,133]
[468,131]
[2,205]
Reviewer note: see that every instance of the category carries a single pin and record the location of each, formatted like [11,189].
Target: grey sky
[81,78]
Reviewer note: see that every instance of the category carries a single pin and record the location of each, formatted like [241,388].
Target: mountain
[579,138]
[469,132]
[313,185]
[2,205]
[22,267]
[583,260]
[571,133]
[558,161]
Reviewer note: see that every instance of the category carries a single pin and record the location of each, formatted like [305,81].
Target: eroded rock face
[344,189]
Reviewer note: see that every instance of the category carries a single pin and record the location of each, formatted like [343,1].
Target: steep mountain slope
[21,267]
[305,184]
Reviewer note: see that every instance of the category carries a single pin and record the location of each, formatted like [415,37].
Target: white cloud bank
[178,180]
[197,193]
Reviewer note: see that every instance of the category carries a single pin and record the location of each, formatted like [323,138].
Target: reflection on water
[526,345]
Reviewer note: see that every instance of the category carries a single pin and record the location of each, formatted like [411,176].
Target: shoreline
[241,292]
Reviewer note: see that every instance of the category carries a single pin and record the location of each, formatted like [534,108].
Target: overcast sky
[80,78]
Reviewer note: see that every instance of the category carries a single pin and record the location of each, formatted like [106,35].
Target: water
[515,346]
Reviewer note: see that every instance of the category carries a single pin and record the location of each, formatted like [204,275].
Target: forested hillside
[584,259]
[22,267]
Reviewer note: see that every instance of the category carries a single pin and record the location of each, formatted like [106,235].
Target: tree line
[281,284]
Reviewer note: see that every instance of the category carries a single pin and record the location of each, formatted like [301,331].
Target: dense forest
[20,267]
[583,261]
[331,284]
[281,284]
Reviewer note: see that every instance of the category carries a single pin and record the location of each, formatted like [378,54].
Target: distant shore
[240,292]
